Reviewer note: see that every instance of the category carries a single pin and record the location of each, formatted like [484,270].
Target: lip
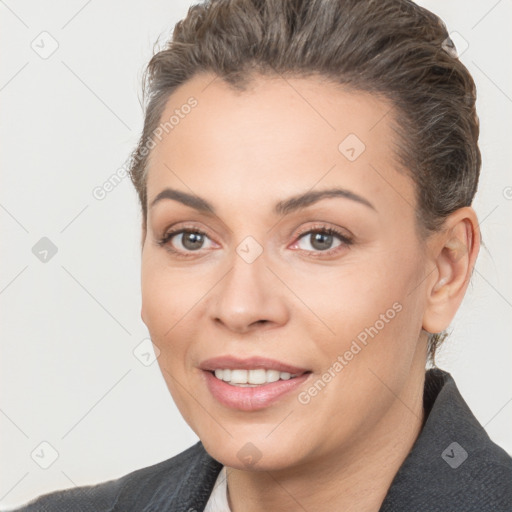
[251,363]
[251,398]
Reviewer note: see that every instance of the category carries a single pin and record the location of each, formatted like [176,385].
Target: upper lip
[235,363]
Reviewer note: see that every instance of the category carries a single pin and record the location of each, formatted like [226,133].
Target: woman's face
[254,276]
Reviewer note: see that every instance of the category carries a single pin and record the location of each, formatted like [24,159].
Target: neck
[354,479]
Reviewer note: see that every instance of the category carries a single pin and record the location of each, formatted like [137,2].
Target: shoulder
[453,465]
[132,491]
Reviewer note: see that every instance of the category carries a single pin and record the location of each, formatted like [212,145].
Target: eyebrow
[285,207]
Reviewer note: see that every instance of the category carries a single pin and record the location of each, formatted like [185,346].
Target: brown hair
[391,48]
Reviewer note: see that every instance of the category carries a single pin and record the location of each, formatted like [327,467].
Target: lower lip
[251,398]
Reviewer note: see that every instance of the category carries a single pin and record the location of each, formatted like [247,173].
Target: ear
[454,252]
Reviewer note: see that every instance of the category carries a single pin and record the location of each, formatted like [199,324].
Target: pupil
[193,240]
[323,244]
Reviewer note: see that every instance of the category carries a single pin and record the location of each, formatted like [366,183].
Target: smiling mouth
[253,377]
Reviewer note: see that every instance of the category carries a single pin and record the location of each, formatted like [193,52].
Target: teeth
[247,378]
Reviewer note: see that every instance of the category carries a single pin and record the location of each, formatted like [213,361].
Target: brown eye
[191,240]
[322,240]
[184,240]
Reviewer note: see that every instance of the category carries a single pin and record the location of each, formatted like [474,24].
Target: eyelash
[324,230]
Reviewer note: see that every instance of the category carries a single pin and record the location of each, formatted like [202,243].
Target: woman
[306,173]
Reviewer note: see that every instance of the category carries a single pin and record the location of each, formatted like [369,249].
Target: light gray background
[69,376]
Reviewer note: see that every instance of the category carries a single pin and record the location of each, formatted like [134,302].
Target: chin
[249,454]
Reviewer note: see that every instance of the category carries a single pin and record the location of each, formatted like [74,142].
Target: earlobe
[455,253]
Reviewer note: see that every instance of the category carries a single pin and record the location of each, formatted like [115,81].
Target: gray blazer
[452,467]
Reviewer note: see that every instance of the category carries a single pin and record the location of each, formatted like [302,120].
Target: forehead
[280,136]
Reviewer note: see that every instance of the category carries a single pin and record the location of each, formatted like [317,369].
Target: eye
[184,240]
[187,241]
[321,239]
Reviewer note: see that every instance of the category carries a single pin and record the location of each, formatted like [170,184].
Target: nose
[249,297]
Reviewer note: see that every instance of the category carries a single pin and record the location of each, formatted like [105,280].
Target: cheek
[376,321]
[372,303]
[165,317]
[167,296]
[165,303]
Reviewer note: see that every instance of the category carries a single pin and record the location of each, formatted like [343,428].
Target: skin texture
[244,152]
